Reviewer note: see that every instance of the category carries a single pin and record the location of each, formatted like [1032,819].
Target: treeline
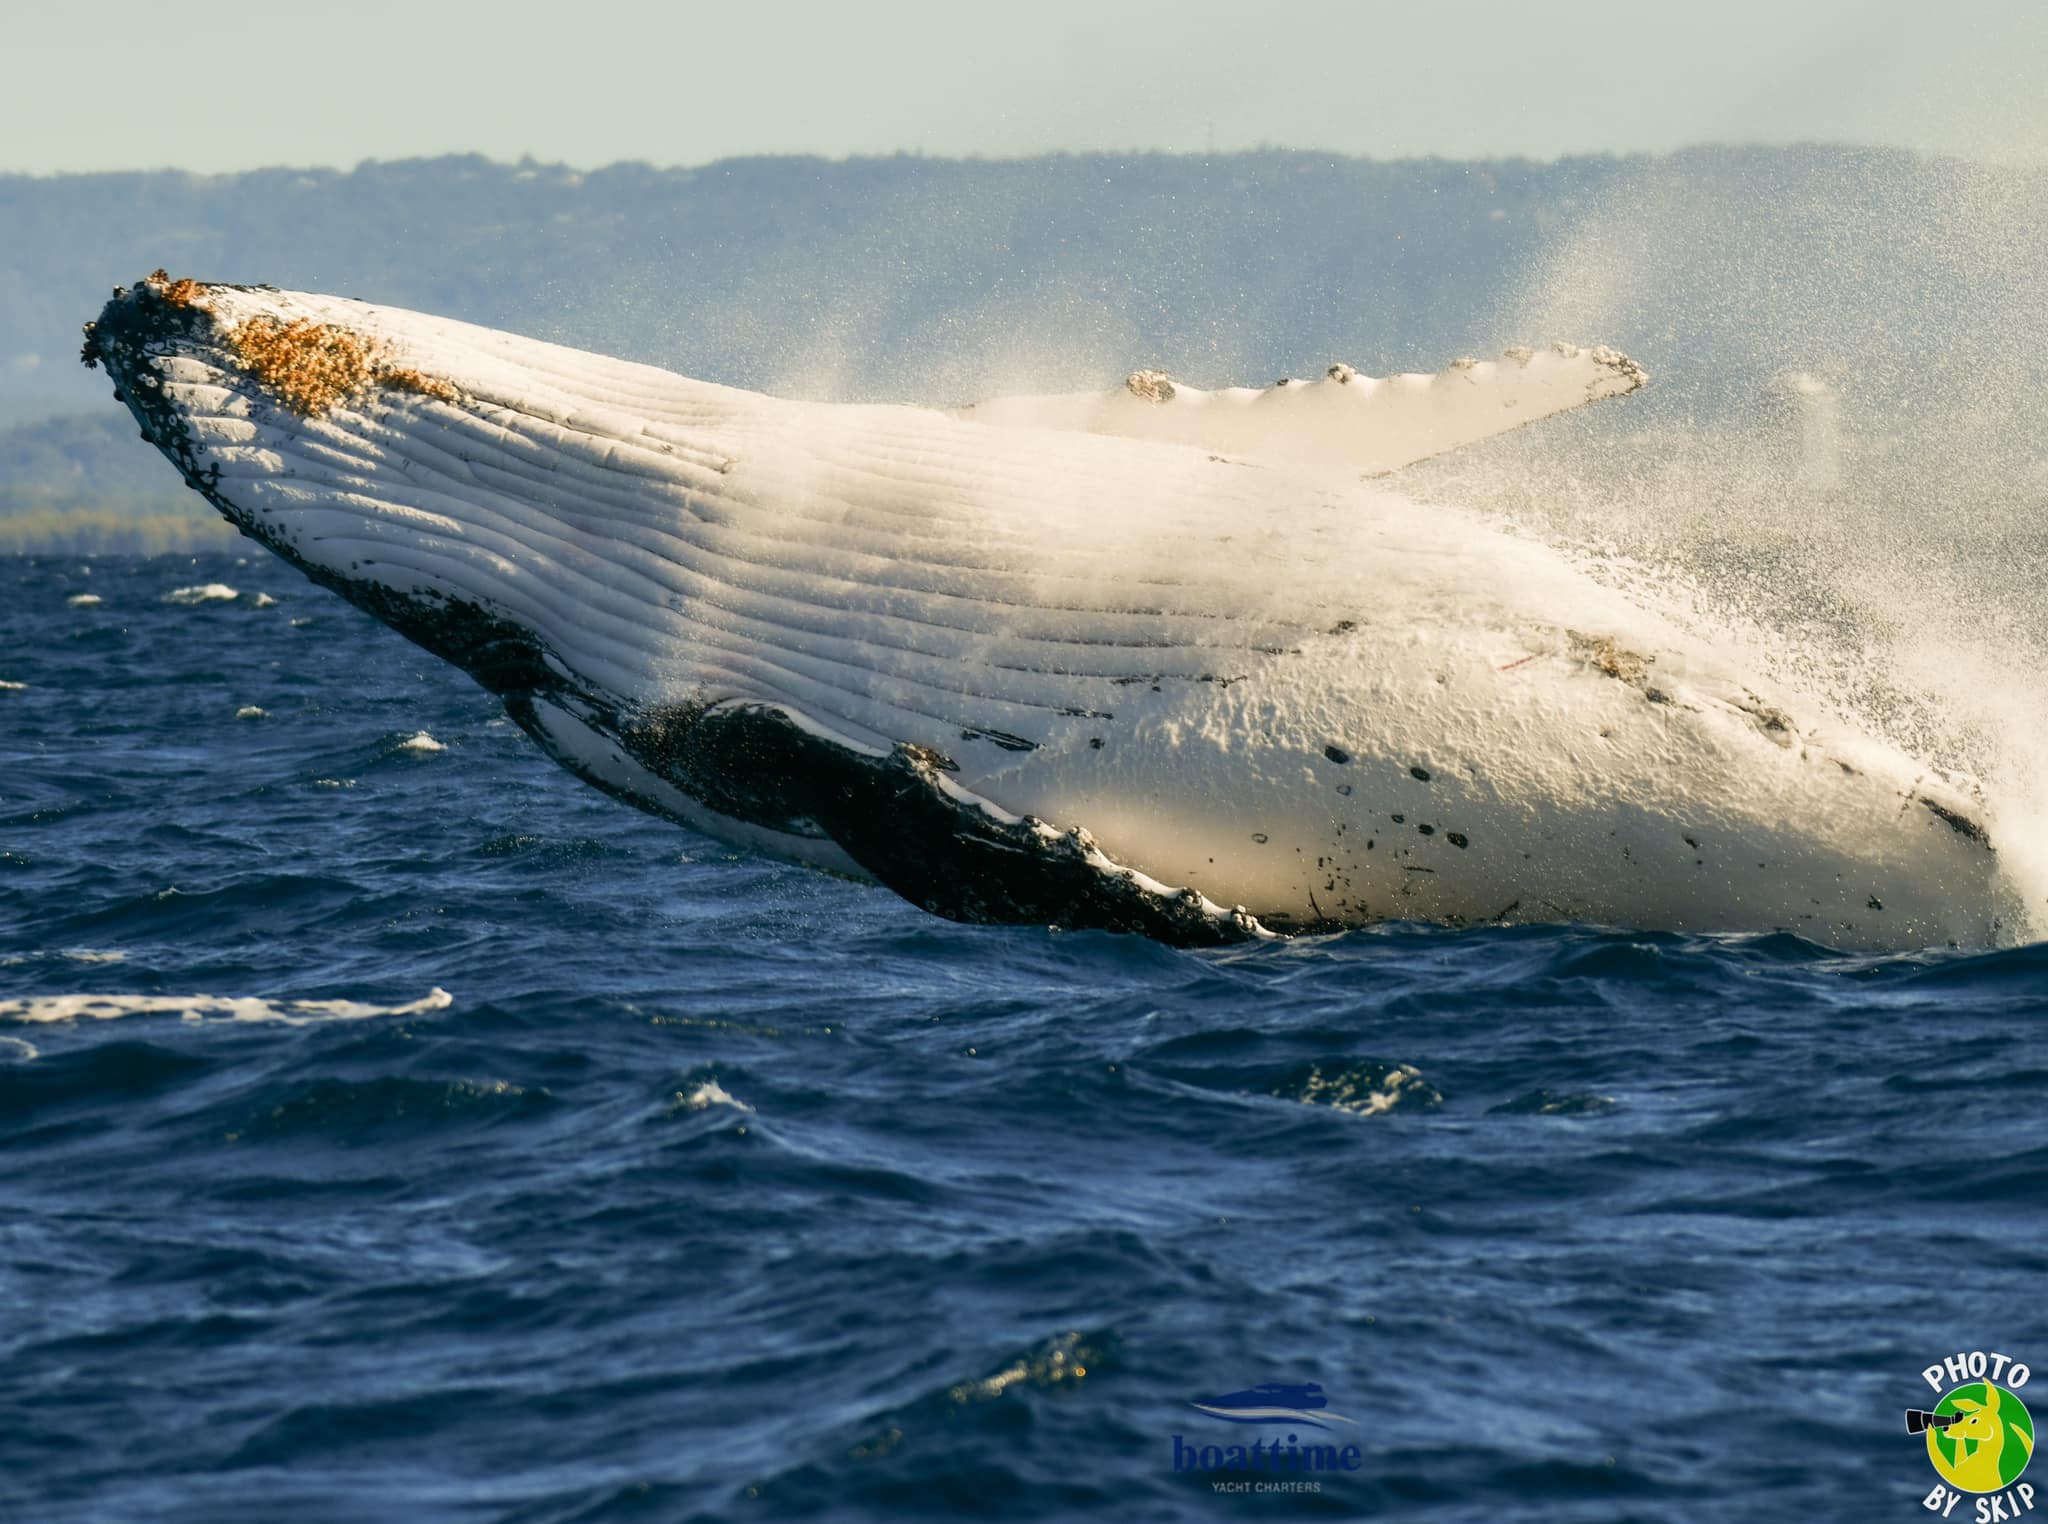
[926,279]
[869,275]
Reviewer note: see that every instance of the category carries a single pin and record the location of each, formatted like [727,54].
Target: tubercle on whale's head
[136,329]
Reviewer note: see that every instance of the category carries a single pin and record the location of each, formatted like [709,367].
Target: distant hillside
[751,270]
[87,481]
[945,279]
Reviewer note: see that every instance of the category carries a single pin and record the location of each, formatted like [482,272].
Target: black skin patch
[1001,738]
[1961,824]
[942,853]
[131,331]
[1337,754]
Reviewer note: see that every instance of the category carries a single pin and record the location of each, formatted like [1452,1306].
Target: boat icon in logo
[1273,1402]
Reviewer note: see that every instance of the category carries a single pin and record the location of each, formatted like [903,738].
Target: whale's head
[289,422]
[464,486]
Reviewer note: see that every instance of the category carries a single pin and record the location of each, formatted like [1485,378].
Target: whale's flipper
[1344,422]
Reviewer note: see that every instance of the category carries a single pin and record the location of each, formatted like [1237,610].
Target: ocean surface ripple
[395,1128]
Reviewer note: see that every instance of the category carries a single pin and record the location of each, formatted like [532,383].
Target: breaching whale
[1162,660]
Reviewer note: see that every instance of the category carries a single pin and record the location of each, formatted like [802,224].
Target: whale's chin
[1152,661]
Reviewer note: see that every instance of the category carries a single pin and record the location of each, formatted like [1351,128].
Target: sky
[120,85]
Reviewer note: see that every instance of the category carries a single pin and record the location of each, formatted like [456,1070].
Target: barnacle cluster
[1150,385]
[308,365]
[314,366]
[183,292]
[1601,652]
[406,379]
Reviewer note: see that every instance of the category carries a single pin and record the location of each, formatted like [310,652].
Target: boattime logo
[1267,1461]
[1980,1436]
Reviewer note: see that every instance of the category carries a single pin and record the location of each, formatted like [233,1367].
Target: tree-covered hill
[942,280]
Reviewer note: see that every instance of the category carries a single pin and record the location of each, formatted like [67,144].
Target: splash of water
[1840,464]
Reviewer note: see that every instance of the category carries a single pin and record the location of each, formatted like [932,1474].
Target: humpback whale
[1160,660]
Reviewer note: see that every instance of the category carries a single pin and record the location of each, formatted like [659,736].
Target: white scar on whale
[1160,660]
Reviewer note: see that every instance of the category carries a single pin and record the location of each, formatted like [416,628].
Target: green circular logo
[1990,1442]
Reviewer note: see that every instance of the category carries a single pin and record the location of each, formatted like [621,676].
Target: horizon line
[1263,150]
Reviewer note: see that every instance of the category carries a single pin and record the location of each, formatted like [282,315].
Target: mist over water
[1837,470]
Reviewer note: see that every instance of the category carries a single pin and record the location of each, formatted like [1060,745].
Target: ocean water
[392,1128]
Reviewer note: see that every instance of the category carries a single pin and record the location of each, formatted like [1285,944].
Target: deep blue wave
[718,1189]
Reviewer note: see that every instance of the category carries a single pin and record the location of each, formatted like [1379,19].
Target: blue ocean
[393,1128]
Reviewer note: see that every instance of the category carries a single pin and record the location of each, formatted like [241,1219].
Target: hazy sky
[117,86]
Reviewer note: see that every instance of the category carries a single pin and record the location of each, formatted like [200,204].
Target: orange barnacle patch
[314,366]
[310,366]
[183,292]
[407,379]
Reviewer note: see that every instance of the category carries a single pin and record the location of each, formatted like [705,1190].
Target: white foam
[43,1009]
[203,592]
[85,600]
[264,601]
[251,712]
[420,744]
[8,687]
[74,954]
[1344,1093]
[707,1094]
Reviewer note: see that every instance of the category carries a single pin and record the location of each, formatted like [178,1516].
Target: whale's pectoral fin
[1344,422]
[899,817]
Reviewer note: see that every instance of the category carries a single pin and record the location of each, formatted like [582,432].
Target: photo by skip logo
[1266,1465]
[1980,1436]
